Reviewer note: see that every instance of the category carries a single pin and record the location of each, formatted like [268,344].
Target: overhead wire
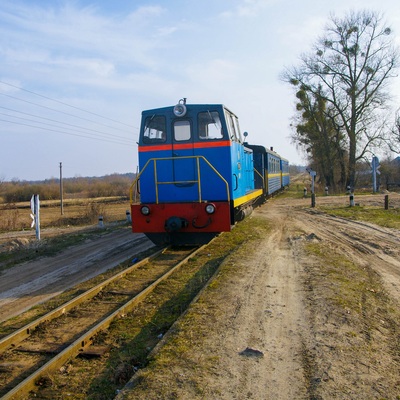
[66,104]
[124,139]
[65,132]
[102,136]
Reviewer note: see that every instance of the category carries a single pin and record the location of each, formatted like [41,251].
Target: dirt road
[284,324]
[30,283]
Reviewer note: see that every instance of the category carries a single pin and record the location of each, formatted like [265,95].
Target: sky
[76,74]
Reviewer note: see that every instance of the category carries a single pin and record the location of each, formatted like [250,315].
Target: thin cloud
[248,8]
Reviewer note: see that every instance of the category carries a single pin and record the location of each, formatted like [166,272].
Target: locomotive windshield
[197,125]
[209,125]
[155,129]
[182,130]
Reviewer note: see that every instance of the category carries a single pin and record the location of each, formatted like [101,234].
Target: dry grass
[76,212]
[18,240]
[353,316]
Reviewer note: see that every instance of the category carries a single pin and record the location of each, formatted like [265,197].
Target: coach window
[182,130]
[155,129]
[209,125]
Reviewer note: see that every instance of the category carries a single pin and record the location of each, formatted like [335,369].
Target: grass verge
[386,218]
[355,324]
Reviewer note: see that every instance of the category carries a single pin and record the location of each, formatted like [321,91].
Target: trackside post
[351,199]
[387,202]
[35,207]
[313,175]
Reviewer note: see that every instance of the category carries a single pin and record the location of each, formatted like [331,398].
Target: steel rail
[24,332]
[73,350]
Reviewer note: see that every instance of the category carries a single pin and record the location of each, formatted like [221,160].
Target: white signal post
[375,170]
[35,207]
[313,175]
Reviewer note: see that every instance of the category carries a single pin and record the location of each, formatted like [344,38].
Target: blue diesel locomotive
[197,177]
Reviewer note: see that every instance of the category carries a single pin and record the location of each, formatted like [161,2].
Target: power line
[82,131]
[60,122]
[61,112]
[67,133]
[68,105]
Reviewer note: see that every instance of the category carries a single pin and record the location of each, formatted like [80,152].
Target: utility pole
[61,190]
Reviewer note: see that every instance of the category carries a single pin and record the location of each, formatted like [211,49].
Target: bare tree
[395,143]
[350,67]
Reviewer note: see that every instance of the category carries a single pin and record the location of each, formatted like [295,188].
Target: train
[197,175]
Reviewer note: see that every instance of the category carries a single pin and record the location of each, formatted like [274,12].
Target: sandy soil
[30,283]
[267,334]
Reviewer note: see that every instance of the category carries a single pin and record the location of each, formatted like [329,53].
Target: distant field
[76,212]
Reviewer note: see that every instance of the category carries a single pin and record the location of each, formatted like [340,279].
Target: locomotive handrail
[198,181]
[136,180]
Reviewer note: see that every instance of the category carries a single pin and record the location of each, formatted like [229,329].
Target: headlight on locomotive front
[210,209]
[145,210]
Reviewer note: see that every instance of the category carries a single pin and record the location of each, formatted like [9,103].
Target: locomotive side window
[237,129]
[209,125]
[155,129]
[233,126]
[182,130]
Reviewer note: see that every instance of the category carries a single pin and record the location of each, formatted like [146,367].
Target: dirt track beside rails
[286,325]
[30,283]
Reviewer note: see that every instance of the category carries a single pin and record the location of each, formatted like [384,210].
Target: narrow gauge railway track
[46,344]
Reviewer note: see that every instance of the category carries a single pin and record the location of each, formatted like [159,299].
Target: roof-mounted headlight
[180,108]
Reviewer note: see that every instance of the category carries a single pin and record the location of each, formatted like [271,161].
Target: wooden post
[387,202]
[313,200]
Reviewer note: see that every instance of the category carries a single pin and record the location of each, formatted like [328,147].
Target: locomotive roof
[169,109]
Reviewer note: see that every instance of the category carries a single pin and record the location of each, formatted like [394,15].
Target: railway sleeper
[47,348]
[94,352]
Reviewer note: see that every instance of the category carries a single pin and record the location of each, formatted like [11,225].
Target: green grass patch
[379,216]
